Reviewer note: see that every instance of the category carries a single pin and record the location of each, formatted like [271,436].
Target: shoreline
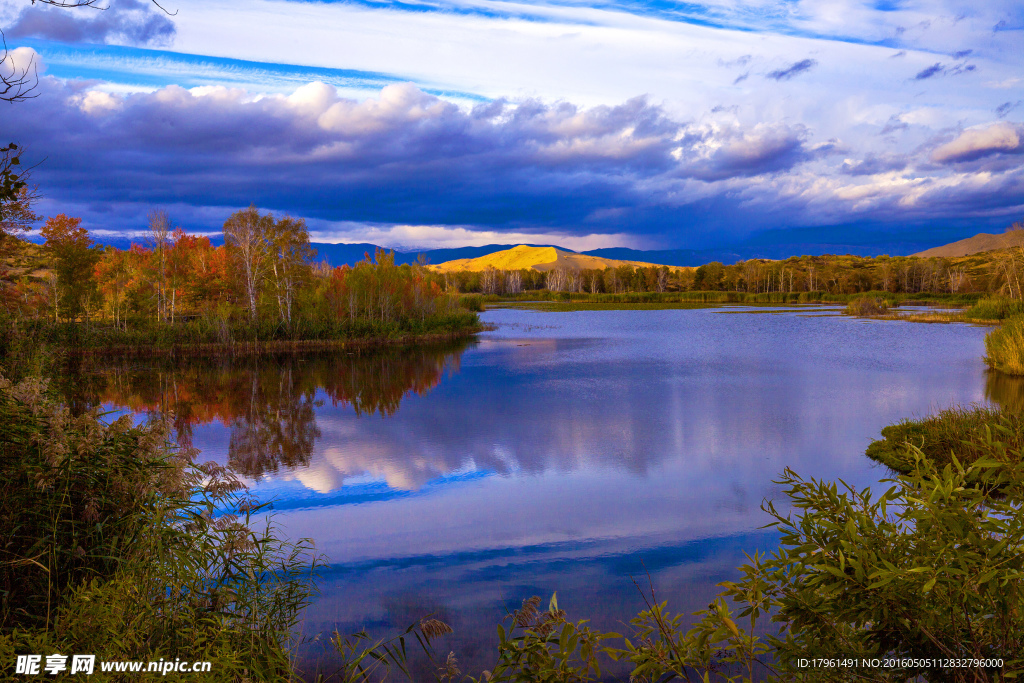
[257,348]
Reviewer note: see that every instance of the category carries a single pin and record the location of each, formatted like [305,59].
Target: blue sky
[584,123]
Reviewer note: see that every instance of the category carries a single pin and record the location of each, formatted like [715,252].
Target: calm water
[562,452]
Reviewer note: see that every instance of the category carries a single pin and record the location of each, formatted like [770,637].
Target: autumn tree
[247,234]
[159,239]
[290,256]
[74,259]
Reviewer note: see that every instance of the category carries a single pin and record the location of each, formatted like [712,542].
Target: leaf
[930,584]
[553,603]
[732,625]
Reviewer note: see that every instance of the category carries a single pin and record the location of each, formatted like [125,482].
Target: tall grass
[1004,347]
[971,433]
[118,545]
[995,308]
[866,306]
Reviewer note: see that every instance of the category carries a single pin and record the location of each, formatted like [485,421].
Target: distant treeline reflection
[268,401]
[1006,391]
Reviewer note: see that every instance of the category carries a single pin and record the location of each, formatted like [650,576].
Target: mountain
[340,254]
[983,241]
[537,258]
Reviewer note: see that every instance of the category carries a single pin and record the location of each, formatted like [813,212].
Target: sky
[649,124]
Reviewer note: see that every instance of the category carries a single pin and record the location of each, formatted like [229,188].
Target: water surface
[563,451]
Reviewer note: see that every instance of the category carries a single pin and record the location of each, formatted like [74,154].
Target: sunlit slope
[975,245]
[537,258]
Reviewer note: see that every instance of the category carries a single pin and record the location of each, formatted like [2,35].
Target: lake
[562,451]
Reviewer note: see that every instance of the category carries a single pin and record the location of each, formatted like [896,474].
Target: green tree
[75,257]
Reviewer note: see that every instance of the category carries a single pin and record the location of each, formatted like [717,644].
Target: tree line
[264,275]
[996,272]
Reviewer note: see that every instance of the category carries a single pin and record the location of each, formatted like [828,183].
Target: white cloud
[978,142]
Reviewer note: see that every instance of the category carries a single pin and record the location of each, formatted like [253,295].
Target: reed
[1004,347]
[994,308]
[119,545]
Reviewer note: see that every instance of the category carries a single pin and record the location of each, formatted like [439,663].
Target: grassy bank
[713,297]
[201,336]
[969,434]
[118,545]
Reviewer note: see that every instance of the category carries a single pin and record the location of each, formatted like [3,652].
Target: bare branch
[71,4]
[16,83]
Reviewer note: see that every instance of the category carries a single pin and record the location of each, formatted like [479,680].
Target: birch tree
[246,234]
[290,256]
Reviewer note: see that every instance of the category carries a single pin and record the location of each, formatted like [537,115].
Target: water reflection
[1005,391]
[268,403]
[567,449]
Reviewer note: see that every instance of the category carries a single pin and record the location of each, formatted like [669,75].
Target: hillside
[20,258]
[975,245]
[537,258]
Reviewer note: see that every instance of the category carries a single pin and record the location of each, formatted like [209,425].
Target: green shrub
[472,302]
[867,305]
[118,545]
[930,570]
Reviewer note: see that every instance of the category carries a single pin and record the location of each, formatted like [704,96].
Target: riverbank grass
[1004,347]
[967,434]
[118,545]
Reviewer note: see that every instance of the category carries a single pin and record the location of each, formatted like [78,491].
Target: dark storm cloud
[792,70]
[407,157]
[136,22]
[404,157]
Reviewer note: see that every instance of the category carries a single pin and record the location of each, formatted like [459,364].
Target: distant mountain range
[772,244]
[538,258]
[339,254]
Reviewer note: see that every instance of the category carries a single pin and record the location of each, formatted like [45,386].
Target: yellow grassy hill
[537,258]
[981,242]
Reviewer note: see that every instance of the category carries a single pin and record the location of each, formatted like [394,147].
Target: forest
[262,284]
[992,272]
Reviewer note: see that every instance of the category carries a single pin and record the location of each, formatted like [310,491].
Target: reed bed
[1004,347]
[995,308]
